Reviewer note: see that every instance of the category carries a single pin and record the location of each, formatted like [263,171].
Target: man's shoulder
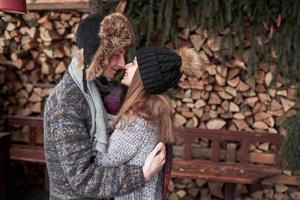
[66,94]
[67,89]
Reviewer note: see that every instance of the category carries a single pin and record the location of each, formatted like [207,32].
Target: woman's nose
[127,65]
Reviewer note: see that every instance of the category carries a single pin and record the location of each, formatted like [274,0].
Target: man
[75,120]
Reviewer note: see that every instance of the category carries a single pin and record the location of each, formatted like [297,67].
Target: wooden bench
[233,168]
[26,153]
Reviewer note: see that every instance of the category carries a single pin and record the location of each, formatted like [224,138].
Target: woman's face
[130,71]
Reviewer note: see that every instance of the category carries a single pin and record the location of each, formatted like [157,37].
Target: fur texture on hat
[192,62]
[115,32]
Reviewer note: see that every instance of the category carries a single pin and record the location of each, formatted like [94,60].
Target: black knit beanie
[159,69]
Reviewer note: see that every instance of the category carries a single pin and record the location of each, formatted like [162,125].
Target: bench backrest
[240,156]
[35,124]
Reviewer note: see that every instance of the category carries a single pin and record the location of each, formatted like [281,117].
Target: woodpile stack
[194,189]
[203,190]
[225,96]
[228,98]
[35,51]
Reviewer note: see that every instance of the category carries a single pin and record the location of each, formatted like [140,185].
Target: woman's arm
[125,142]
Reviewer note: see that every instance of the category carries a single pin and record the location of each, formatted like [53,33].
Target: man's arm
[74,150]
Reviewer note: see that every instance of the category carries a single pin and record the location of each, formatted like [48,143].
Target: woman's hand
[155,161]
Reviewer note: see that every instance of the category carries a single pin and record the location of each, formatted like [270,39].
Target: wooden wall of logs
[36,49]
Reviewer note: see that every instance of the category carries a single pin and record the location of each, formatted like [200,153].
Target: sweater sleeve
[85,175]
[125,142]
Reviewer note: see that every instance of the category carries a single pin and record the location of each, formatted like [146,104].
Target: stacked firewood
[203,190]
[35,52]
[228,98]
[225,96]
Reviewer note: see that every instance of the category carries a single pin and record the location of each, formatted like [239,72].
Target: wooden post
[4,165]
[229,191]
[215,150]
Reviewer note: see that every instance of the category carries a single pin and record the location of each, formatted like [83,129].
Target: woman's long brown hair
[154,108]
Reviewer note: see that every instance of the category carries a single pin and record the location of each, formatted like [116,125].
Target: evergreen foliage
[291,148]
[290,151]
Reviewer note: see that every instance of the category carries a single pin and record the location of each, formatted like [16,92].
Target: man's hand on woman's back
[155,161]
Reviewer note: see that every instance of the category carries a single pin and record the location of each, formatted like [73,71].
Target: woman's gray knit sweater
[73,167]
[131,144]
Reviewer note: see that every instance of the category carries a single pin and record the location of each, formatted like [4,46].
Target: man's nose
[121,62]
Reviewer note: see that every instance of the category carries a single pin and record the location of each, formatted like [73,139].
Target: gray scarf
[98,132]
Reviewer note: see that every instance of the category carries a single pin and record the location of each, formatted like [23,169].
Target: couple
[83,162]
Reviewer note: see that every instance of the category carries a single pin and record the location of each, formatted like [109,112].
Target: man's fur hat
[101,37]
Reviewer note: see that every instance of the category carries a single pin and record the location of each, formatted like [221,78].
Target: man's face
[116,62]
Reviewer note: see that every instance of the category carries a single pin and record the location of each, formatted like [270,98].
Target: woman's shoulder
[137,124]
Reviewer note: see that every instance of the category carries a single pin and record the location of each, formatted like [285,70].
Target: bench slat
[27,154]
[229,135]
[24,121]
[228,173]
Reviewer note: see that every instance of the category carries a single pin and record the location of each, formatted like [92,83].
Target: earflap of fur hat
[78,54]
[192,63]
[115,32]
[100,62]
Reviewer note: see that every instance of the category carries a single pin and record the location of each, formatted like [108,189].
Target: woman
[145,117]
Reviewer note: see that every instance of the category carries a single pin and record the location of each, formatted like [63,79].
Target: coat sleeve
[85,175]
[125,142]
